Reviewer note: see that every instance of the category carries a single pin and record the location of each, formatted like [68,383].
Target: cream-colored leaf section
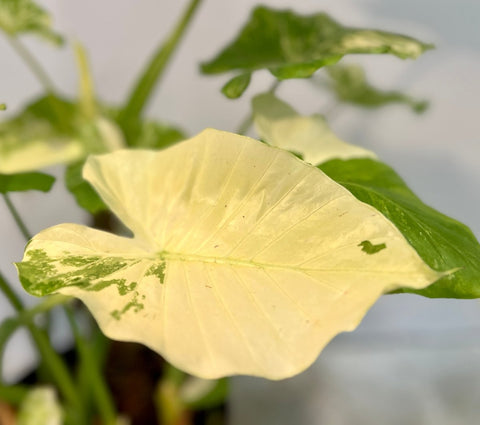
[278,124]
[39,153]
[245,259]
[40,407]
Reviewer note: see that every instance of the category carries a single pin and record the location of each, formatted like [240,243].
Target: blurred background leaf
[350,85]
[18,17]
[295,46]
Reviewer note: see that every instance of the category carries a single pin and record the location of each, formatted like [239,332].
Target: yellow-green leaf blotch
[244,260]
[278,124]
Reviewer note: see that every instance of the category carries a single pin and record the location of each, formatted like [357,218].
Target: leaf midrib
[183,257]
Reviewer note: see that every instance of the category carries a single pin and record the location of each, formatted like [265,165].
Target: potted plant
[215,254]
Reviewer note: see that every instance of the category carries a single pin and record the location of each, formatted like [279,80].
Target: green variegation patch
[295,46]
[278,124]
[18,17]
[370,248]
[237,264]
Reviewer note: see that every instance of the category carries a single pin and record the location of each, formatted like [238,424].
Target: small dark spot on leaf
[370,248]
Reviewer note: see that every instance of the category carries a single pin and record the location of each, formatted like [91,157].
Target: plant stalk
[33,64]
[12,297]
[145,85]
[16,216]
[99,390]
[52,360]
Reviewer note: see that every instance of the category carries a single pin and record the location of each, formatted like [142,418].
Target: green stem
[248,120]
[51,359]
[33,64]
[26,316]
[14,299]
[42,77]
[56,366]
[16,217]
[143,89]
[99,390]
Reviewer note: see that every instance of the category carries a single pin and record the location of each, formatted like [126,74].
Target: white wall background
[412,360]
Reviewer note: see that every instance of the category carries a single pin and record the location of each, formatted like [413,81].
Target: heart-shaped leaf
[278,124]
[244,260]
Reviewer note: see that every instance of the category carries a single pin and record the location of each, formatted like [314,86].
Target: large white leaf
[244,260]
[278,124]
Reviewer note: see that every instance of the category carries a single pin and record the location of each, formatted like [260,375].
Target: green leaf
[244,260]
[295,46]
[350,85]
[442,242]
[236,86]
[82,191]
[278,124]
[3,107]
[25,181]
[18,17]
[42,135]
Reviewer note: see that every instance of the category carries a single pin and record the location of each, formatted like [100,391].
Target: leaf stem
[100,392]
[33,64]
[16,217]
[248,120]
[12,297]
[51,359]
[153,72]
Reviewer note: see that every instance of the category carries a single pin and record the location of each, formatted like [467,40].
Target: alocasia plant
[246,257]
